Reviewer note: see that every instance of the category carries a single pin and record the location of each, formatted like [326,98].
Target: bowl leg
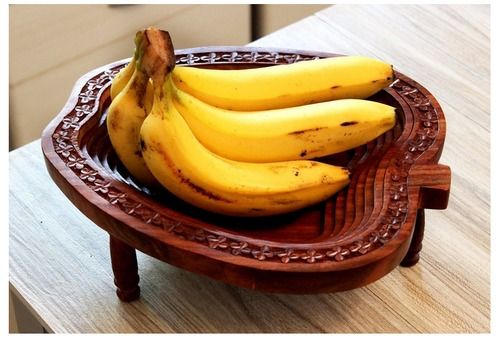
[413,254]
[124,264]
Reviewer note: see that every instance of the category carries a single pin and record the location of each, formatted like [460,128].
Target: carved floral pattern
[395,215]
[241,57]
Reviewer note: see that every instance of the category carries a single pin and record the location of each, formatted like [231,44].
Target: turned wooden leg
[124,263]
[413,254]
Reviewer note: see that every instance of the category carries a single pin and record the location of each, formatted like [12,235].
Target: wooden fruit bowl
[354,238]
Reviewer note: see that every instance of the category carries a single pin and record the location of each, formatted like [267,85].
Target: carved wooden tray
[354,238]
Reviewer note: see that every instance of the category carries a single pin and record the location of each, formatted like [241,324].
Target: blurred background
[51,46]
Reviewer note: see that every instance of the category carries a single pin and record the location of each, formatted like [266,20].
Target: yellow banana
[124,75]
[125,117]
[122,78]
[288,85]
[302,132]
[193,173]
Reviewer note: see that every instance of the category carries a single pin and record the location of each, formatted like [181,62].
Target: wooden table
[59,261]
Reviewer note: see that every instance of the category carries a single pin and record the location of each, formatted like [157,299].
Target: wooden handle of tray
[434,181]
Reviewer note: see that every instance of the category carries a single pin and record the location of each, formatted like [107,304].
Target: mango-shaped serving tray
[354,238]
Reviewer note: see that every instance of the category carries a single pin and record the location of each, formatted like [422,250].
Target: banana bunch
[193,173]
[240,142]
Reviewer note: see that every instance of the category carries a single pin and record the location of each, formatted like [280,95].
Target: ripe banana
[302,132]
[124,75]
[125,116]
[193,173]
[288,85]
[122,78]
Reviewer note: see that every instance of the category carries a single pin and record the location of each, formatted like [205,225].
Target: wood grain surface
[60,263]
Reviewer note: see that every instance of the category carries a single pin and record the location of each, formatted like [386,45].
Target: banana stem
[157,56]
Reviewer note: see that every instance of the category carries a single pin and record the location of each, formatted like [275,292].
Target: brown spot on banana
[348,123]
[284,201]
[201,190]
[115,119]
[142,145]
[139,86]
[303,131]
[383,79]
[335,86]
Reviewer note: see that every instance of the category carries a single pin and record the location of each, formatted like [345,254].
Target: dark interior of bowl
[326,220]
